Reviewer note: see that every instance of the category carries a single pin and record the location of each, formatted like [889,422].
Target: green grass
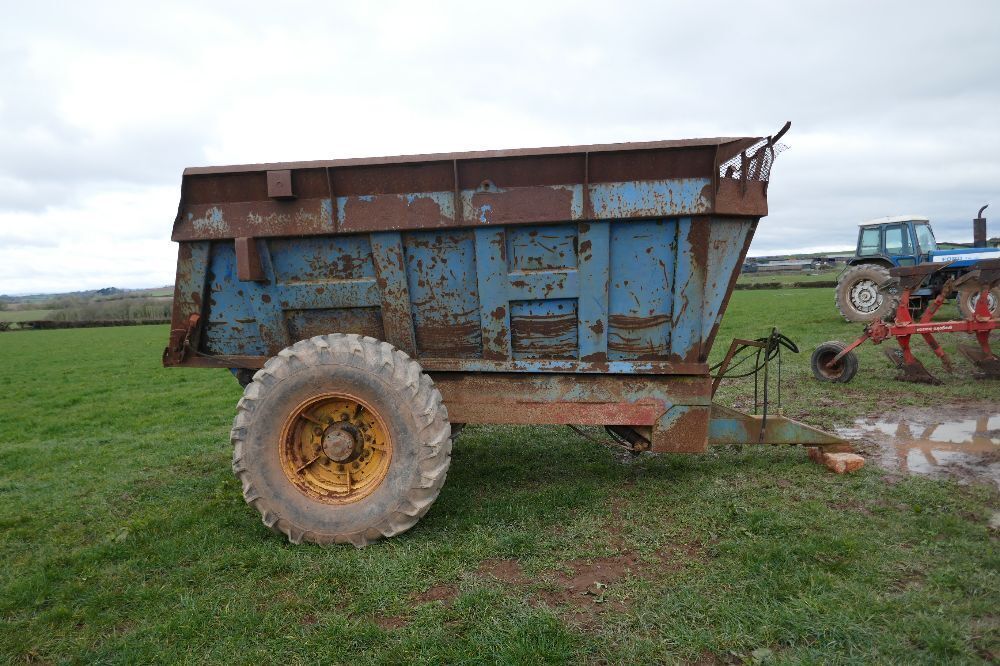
[789,278]
[124,538]
[24,315]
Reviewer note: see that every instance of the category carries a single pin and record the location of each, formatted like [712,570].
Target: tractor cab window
[895,241]
[925,237]
[869,242]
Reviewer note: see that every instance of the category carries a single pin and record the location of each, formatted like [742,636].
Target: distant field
[789,278]
[24,315]
[124,537]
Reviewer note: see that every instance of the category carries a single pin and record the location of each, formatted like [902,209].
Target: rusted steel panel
[653,198]
[728,243]
[378,212]
[189,287]
[616,181]
[588,399]
[540,248]
[689,290]
[279,184]
[640,300]
[492,204]
[729,426]
[248,266]
[301,217]
[542,285]
[561,366]
[593,277]
[266,308]
[494,303]
[543,329]
[390,271]
[444,293]
[682,429]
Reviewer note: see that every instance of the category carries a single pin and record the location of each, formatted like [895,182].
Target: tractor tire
[858,297]
[968,297]
[341,438]
[842,372]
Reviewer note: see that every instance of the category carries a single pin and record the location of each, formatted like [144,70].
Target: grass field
[24,315]
[790,278]
[124,537]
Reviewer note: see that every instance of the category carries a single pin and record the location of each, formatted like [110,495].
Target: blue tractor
[866,291]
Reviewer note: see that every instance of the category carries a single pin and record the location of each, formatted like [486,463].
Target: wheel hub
[335,448]
[865,296]
[342,442]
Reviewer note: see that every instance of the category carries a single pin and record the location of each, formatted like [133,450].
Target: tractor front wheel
[341,438]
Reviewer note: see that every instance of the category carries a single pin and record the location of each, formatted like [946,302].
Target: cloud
[103,104]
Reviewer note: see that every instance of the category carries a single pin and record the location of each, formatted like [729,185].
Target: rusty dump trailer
[371,306]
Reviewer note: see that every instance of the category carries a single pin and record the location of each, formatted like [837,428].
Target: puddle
[919,441]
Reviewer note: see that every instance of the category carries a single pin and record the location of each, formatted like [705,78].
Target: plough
[836,362]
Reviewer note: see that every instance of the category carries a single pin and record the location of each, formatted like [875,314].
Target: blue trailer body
[566,285]
[607,296]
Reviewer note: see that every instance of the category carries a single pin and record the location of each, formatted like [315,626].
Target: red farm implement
[836,362]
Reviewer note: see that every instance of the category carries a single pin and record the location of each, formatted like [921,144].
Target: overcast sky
[895,108]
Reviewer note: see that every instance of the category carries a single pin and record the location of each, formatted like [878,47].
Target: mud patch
[960,442]
[443,593]
[578,590]
[505,571]
[390,622]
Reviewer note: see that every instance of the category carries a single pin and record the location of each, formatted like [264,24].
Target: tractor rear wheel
[859,297]
[968,298]
[842,371]
[341,438]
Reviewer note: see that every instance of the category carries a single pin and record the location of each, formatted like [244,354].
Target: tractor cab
[904,240]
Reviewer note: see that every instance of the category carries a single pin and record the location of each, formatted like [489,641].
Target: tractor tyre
[341,438]
[968,297]
[858,296]
[842,372]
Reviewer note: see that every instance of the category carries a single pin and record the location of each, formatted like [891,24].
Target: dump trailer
[373,306]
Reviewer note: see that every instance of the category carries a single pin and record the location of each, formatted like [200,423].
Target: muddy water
[961,443]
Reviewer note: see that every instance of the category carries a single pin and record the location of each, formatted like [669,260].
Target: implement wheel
[842,372]
[858,296]
[341,438]
[968,298]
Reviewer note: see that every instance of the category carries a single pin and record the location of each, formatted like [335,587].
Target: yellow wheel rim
[335,448]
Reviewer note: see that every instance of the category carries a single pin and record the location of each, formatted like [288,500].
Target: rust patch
[522,204]
[372,213]
[688,433]
[544,336]
[449,340]
[732,199]
[633,337]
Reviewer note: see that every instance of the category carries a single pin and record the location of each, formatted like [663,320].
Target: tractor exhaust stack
[979,229]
